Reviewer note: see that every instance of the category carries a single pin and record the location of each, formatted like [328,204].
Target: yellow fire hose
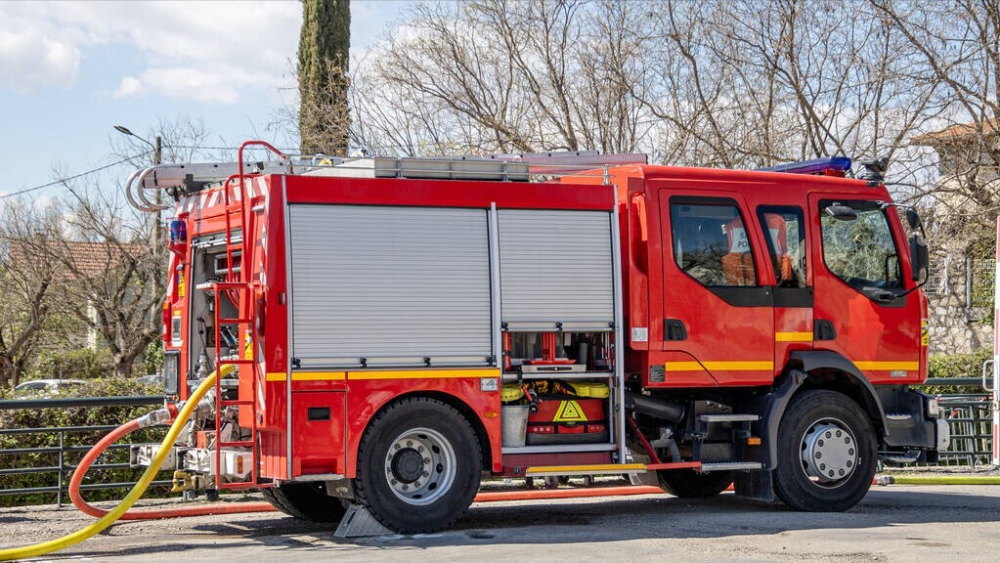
[133,495]
[938,480]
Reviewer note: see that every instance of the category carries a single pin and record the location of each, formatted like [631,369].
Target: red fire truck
[389,331]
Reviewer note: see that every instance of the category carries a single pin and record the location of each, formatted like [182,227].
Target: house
[960,289]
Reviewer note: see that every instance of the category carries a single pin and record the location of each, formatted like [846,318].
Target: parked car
[153,379]
[46,387]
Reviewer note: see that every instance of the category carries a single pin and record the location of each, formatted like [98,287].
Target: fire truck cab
[389,331]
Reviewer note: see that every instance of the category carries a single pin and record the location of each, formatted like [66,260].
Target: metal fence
[968,415]
[61,468]
[971,422]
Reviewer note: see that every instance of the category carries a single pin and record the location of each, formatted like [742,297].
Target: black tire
[419,466]
[688,483]
[305,501]
[817,419]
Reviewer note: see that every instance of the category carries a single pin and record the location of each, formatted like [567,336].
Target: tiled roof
[958,132]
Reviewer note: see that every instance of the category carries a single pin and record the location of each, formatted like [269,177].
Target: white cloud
[29,58]
[129,86]
[184,47]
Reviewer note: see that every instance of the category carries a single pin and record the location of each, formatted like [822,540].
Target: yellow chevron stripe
[793,337]
[477,373]
[887,366]
[721,366]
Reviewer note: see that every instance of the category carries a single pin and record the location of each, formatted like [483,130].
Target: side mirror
[913,218]
[919,257]
[841,212]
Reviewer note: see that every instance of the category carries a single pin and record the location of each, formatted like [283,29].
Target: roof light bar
[831,164]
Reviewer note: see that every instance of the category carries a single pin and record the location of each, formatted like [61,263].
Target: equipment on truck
[399,328]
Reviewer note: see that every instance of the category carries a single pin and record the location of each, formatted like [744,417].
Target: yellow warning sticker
[925,335]
[248,346]
[569,411]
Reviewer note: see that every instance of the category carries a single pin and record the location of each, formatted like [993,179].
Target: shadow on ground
[592,520]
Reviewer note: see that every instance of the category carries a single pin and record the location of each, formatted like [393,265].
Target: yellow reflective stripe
[887,366]
[721,366]
[425,374]
[309,376]
[565,469]
[793,337]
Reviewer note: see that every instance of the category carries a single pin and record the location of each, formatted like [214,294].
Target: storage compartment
[562,419]
[318,432]
[557,412]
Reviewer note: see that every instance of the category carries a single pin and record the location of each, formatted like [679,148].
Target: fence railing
[61,468]
[968,415]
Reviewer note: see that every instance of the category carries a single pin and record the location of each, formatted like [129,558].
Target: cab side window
[711,244]
[860,251]
[785,233]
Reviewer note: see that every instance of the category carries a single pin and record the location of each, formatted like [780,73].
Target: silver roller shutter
[390,284]
[556,266]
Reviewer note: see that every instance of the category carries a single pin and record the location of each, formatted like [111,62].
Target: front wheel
[827,453]
[418,466]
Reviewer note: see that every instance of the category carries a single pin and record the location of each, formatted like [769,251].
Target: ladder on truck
[241,291]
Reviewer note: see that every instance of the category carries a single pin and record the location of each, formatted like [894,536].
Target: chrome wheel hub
[420,466]
[829,452]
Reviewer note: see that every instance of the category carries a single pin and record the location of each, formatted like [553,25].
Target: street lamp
[156,148]
[156,162]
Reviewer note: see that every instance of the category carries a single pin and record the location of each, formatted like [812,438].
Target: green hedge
[94,416]
[957,365]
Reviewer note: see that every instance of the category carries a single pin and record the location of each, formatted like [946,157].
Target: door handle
[824,330]
[674,329]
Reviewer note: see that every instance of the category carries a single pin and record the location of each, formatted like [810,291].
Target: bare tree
[26,282]
[111,275]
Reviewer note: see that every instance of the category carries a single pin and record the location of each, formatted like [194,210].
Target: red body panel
[726,345]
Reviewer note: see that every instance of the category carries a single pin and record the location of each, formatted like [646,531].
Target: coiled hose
[147,477]
[96,512]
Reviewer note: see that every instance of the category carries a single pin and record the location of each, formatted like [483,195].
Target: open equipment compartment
[558,319]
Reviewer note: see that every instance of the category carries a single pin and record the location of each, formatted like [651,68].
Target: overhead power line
[74,177]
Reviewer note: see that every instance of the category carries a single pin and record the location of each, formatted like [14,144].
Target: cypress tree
[324,118]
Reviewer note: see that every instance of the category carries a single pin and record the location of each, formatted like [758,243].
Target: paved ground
[894,524]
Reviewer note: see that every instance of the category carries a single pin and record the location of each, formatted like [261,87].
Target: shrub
[90,416]
[80,363]
[957,365]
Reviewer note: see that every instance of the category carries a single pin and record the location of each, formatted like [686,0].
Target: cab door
[862,309]
[717,301]
[787,236]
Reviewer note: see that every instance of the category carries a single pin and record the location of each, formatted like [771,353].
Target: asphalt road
[894,524]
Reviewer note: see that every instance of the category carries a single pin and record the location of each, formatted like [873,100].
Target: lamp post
[157,154]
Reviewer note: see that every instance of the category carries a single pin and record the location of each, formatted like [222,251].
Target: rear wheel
[305,501]
[418,466]
[687,483]
[827,453]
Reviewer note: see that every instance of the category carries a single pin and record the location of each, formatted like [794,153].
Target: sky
[71,70]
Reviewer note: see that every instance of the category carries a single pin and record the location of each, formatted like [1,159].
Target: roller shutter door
[556,266]
[392,285]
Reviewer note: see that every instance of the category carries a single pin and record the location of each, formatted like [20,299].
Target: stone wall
[954,326]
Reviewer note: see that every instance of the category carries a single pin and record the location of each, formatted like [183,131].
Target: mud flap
[756,485]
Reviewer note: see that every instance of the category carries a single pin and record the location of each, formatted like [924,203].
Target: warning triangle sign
[569,411]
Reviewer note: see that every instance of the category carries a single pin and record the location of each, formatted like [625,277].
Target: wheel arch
[463,408]
[820,369]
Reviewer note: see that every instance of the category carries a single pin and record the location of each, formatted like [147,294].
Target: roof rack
[183,179]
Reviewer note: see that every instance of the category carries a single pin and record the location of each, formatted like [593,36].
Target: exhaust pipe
[656,408]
